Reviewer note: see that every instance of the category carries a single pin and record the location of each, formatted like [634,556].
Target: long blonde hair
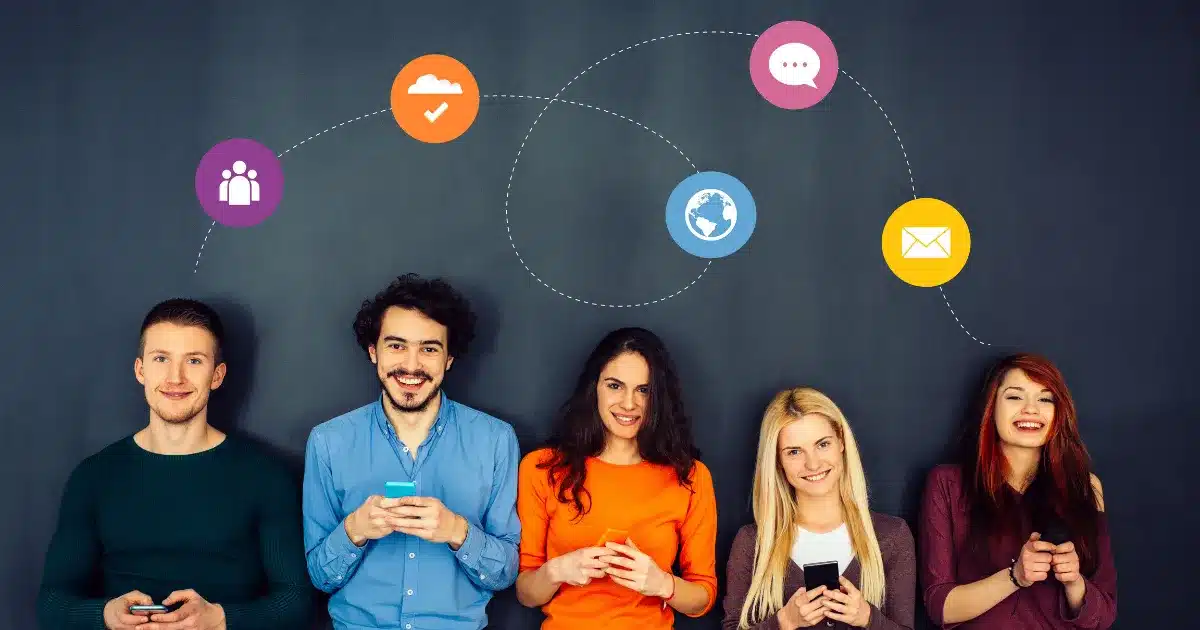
[775,506]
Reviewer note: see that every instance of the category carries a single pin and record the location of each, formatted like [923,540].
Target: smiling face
[810,455]
[410,358]
[1024,411]
[178,370]
[623,394]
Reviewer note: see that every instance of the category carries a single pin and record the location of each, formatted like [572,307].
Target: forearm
[968,601]
[285,606]
[689,598]
[62,609]
[537,586]
[880,621]
[1074,594]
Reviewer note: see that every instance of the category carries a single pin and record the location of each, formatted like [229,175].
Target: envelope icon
[925,242]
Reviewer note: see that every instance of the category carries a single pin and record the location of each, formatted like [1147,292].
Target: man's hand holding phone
[372,520]
[429,519]
[194,613]
[117,615]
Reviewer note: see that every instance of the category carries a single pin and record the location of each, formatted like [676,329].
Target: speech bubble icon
[794,64]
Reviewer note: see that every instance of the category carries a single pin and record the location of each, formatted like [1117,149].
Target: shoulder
[892,532]
[1099,491]
[344,424]
[481,423]
[258,460]
[701,475]
[945,479]
[531,461]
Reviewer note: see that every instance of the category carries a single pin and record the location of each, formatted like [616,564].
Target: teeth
[1029,425]
[817,477]
[412,381]
[625,419]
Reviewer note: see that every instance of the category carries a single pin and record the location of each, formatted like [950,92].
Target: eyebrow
[186,354]
[1019,388]
[817,442]
[617,380]
[431,342]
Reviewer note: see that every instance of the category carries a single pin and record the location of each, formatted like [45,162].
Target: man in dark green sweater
[179,513]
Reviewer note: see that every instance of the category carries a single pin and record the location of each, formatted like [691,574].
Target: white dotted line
[960,324]
[896,133]
[196,266]
[512,172]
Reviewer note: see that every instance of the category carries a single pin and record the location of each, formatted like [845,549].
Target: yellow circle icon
[926,242]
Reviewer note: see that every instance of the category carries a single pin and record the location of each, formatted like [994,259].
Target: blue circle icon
[710,214]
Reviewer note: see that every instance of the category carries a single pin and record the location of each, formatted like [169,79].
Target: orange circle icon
[435,98]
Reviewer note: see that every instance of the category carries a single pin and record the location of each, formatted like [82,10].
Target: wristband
[1012,575]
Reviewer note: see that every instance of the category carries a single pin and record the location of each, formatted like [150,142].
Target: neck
[1022,464]
[185,438]
[819,514]
[621,451]
[412,423]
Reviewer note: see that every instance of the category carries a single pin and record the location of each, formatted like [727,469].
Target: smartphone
[1054,532]
[613,535]
[141,609]
[818,573]
[397,489]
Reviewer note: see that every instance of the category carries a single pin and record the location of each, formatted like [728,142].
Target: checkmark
[437,113]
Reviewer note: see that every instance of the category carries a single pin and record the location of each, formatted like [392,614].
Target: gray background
[1065,135]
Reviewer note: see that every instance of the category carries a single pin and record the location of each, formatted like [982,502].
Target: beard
[177,416]
[409,401]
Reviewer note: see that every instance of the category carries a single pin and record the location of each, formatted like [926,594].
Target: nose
[175,373]
[628,401]
[1030,406]
[811,463]
[411,360]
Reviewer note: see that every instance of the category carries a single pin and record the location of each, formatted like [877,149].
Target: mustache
[403,372]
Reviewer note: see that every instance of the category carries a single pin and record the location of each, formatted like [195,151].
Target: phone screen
[141,609]
[820,573]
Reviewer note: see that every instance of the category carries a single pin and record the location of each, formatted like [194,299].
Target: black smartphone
[141,609]
[818,573]
[1054,532]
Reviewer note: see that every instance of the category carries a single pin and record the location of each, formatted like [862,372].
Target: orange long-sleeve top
[664,519]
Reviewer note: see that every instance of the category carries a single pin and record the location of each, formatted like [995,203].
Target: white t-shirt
[833,545]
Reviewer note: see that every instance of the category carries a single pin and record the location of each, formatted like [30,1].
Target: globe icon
[710,214]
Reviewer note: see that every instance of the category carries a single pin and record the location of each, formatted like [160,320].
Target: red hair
[1062,486]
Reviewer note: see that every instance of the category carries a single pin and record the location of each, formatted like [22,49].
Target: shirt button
[339,577]
[408,626]
[412,555]
[353,555]
[405,449]
[410,591]
[482,576]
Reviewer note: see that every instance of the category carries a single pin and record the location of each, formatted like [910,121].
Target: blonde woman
[810,506]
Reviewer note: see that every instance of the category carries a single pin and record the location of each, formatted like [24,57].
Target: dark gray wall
[1065,135]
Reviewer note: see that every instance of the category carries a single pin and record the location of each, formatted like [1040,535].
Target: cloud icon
[430,84]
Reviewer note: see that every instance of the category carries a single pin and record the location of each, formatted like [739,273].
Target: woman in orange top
[617,495]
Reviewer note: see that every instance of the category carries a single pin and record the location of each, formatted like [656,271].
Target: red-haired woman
[1015,536]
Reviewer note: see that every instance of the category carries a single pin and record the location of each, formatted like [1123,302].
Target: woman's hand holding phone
[579,567]
[804,609]
[1033,565]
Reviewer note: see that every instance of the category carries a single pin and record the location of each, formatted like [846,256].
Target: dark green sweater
[225,522]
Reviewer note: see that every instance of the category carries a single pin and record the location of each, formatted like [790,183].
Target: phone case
[398,489]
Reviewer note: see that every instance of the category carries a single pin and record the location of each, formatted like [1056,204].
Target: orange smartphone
[613,535]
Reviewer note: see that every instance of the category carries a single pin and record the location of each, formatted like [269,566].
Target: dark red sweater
[942,530]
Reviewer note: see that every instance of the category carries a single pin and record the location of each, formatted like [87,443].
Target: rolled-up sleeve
[936,536]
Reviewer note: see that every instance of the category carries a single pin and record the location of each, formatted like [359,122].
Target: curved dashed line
[196,266]
[914,191]
[516,160]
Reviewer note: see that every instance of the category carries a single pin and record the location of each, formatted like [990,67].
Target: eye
[644,390]
[1013,397]
[613,386]
[394,346]
[824,444]
[1047,400]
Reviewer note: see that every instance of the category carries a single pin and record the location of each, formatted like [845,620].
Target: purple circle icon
[793,65]
[239,182]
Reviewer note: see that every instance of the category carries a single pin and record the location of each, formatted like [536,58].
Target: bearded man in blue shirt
[432,560]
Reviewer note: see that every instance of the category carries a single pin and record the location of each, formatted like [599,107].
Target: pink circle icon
[793,65]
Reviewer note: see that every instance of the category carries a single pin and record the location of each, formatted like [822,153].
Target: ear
[137,371]
[218,376]
[371,352]
[449,362]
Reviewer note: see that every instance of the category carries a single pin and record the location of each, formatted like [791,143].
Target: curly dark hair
[665,437]
[434,298]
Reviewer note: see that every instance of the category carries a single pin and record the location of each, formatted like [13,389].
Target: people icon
[239,187]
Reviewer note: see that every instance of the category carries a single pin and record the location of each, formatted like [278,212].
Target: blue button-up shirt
[469,462]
